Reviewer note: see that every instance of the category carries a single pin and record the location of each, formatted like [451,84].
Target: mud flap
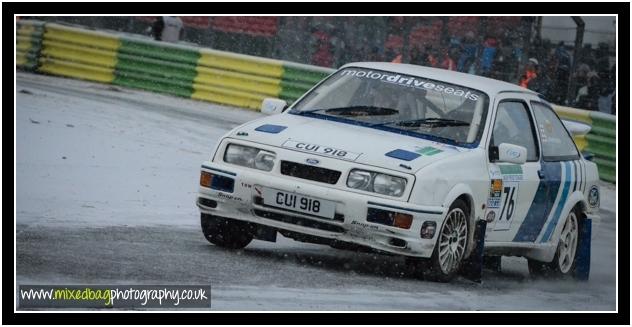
[472,268]
[582,267]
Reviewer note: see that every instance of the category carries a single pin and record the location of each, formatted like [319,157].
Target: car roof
[487,85]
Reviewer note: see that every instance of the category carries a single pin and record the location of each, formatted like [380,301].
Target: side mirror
[272,106]
[506,152]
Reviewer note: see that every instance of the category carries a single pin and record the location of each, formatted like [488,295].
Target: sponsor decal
[364,225]
[490,216]
[229,197]
[322,150]
[269,128]
[497,188]
[511,172]
[414,82]
[427,151]
[493,203]
[402,155]
[246,185]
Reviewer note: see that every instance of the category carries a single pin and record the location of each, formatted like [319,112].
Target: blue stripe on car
[560,204]
[542,203]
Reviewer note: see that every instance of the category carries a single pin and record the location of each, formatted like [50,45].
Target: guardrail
[216,76]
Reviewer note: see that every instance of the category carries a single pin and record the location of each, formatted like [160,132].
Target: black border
[622,317]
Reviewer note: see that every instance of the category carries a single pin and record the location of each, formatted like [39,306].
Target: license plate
[299,203]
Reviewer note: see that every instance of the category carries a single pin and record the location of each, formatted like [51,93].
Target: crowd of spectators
[507,54]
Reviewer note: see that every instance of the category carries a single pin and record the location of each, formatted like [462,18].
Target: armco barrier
[216,76]
[600,141]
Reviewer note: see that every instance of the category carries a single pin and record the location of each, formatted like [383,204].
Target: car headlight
[250,157]
[376,182]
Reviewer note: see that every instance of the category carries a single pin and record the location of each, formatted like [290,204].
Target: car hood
[363,145]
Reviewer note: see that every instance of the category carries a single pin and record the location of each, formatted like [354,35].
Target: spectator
[543,80]
[393,55]
[447,62]
[560,73]
[322,49]
[505,66]
[375,55]
[588,93]
[416,56]
[488,55]
[531,73]
[469,53]
[433,57]
[168,29]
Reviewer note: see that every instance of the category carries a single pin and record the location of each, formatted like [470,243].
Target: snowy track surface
[106,180]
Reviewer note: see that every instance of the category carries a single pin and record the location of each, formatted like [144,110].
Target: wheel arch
[464,192]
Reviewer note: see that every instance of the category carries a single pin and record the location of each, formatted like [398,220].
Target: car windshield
[399,103]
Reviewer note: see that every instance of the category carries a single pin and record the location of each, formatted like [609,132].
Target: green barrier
[159,50]
[28,44]
[600,140]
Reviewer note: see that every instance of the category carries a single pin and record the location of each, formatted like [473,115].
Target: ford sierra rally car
[405,159]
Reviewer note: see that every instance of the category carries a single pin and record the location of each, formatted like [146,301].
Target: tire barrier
[175,69]
[28,43]
[216,76]
[600,141]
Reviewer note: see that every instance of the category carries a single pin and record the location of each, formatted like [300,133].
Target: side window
[556,142]
[513,125]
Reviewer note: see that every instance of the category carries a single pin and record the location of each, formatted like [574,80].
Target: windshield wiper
[433,122]
[352,110]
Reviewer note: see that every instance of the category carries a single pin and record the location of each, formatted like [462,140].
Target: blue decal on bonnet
[267,128]
[403,155]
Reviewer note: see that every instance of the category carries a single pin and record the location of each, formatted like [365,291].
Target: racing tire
[565,259]
[450,248]
[225,232]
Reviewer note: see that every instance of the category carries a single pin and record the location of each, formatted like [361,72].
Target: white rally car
[405,159]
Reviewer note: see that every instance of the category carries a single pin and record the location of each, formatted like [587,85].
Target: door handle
[541,174]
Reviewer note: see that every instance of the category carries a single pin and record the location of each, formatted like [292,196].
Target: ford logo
[312,161]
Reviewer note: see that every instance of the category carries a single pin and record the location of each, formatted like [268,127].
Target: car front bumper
[349,224]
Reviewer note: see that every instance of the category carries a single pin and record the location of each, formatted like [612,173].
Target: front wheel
[565,259]
[226,233]
[449,252]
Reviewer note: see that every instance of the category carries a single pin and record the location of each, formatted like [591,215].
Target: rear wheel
[225,232]
[449,252]
[565,259]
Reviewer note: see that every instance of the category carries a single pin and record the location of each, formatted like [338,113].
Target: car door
[513,186]
[561,174]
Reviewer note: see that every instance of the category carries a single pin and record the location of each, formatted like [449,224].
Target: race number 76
[509,203]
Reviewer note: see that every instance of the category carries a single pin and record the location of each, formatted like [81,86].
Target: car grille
[312,173]
[299,221]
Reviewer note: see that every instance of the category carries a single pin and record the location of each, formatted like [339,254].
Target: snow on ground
[106,180]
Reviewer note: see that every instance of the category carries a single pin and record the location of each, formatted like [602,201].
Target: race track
[106,181]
